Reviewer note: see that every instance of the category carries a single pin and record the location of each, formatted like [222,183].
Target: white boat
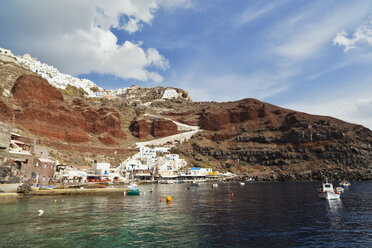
[215,185]
[326,191]
[340,189]
[250,179]
[242,184]
[133,187]
[9,187]
[345,184]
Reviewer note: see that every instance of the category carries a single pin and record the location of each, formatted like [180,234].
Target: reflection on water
[335,212]
[335,206]
[258,215]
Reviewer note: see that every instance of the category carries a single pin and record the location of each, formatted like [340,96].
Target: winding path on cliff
[173,139]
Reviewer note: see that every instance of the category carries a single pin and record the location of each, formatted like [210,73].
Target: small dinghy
[133,189]
[345,184]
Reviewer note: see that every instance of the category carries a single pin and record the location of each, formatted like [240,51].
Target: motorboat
[215,185]
[133,189]
[242,183]
[345,184]
[340,189]
[326,191]
[250,179]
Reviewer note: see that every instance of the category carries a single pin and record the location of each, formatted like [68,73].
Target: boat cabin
[326,187]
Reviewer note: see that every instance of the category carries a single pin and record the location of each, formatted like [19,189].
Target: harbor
[257,215]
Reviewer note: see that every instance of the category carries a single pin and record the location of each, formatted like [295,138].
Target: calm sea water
[258,215]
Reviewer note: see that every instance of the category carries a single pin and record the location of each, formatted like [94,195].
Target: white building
[6,52]
[200,172]
[150,162]
[147,152]
[162,149]
[66,172]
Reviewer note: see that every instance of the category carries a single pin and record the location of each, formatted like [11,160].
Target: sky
[310,56]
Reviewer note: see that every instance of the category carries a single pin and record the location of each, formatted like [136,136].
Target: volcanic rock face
[157,128]
[29,88]
[163,128]
[280,144]
[43,112]
[101,120]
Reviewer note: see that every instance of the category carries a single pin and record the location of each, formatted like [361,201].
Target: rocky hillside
[247,136]
[273,143]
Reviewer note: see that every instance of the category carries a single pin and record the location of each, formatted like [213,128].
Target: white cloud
[231,87]
[76,36]
[363,34]
[253,13]
[352,103]
[305,35]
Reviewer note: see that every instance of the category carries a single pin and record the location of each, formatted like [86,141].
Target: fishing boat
[133,189]
[340,189]
[326,191]
[345,184]
[9,187]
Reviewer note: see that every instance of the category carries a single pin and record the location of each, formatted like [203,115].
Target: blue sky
[311,56]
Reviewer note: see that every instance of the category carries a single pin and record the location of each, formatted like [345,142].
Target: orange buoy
[160,199]
[194,200]
[232,194]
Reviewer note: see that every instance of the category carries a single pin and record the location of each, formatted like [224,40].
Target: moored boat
[340,189]
[345,184]
[133,189]
[242,183]
[326,191]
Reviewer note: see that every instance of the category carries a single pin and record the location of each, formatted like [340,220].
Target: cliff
[273,143]
[249,137]
[41,110]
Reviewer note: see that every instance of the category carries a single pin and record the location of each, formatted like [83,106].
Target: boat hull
[133,192]
[329,195]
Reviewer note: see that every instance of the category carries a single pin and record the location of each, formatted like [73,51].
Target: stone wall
[4,136]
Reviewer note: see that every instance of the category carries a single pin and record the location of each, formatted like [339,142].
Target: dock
[6,198]
[78,191]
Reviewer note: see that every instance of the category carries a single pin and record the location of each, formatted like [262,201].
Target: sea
[274,214]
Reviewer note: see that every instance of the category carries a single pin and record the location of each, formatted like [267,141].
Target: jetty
[78,191]
[6,198]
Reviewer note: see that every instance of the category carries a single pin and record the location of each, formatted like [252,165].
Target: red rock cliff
[43,112]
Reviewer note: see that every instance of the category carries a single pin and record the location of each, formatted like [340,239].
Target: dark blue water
[258,215]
